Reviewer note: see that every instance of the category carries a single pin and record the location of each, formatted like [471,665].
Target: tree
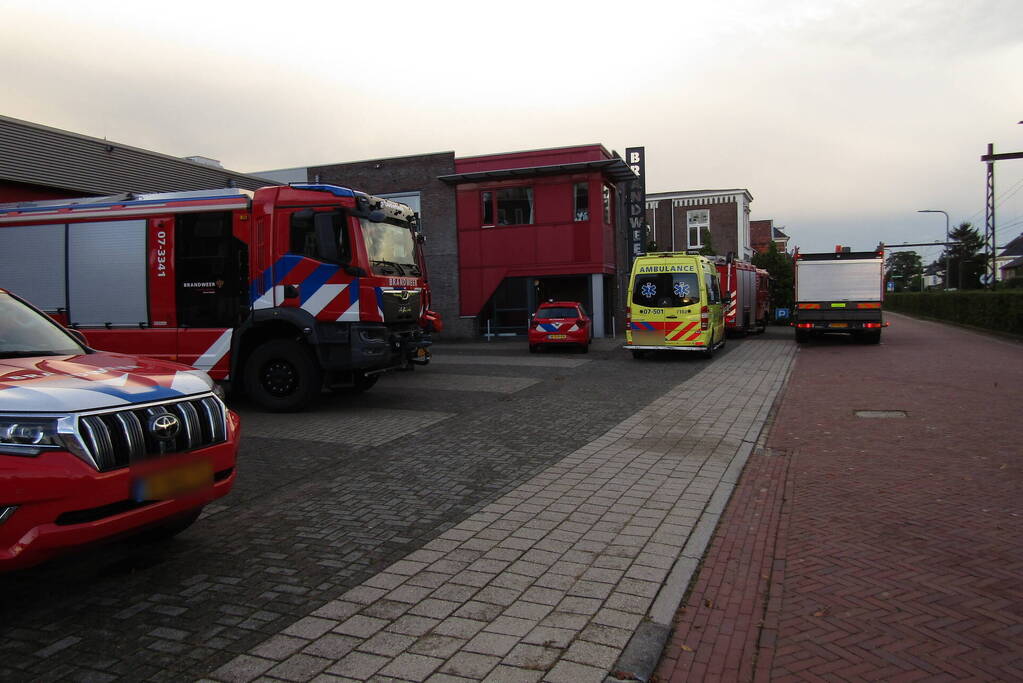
[903,268]
[779,265]
[707,249]
[965,259]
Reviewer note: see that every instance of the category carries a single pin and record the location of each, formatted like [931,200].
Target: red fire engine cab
[747,287]
[281,291]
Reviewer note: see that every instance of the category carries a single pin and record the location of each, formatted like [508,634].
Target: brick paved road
[552,580]
[324,501]
[872,548]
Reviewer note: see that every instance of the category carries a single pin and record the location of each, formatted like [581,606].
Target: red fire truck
[281,291]
[746,286]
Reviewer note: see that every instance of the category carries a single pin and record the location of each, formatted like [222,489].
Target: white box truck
[839,292]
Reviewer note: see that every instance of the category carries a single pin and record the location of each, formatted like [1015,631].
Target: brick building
[763,232]
[681,221]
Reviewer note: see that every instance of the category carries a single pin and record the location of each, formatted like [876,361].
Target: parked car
[559,323]
[96,445]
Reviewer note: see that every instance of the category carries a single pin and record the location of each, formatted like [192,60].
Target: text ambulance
[280,291]
[675,304]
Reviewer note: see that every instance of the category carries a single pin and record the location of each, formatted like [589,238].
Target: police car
[557,323]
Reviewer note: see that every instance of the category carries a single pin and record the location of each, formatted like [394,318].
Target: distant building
[38,162]
[683,220]
[763,232]
[1010,262]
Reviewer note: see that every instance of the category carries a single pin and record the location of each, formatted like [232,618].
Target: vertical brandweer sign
[635,201]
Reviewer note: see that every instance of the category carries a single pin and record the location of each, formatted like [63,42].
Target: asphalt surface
[325,501]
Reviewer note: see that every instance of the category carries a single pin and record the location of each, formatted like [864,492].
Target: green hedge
[1001,310]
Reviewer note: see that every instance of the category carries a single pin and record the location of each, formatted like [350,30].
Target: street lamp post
[948,256]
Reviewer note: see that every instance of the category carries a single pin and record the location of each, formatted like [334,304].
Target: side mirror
[79,337]
[326,238]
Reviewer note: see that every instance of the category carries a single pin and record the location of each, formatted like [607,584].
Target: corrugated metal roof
[39,155]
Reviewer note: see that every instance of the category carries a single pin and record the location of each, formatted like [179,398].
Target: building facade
[38,163]
[505,231]
[682,221]
[538,226]
[763,232]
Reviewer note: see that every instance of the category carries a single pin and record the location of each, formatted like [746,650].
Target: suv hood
[64,384]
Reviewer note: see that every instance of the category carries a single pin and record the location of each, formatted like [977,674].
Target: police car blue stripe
[157,393]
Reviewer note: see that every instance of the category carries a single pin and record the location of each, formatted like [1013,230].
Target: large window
[666,290]
[391,247]
[696,222]
[581,194]
[510,206]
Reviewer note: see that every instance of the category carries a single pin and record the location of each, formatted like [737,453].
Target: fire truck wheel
[638,353]
[534,348]
[802,336]
[282,376]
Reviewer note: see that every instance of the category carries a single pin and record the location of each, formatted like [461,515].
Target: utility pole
[989,220]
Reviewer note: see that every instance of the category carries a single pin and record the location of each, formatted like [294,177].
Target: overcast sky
[842,118]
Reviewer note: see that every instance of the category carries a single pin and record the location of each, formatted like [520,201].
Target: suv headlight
[30,435]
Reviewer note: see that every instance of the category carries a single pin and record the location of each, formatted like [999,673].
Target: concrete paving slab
[614,504]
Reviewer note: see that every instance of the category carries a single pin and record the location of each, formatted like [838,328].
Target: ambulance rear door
[666,307]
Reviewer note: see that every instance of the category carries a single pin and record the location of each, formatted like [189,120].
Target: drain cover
[881,413]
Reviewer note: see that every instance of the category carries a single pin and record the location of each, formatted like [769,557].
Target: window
[557,312]
[303,235]
[607,204]
[581,192]
[487,200]
[713,290]
[510,205]
[666,290]
[391,247]
[696,222]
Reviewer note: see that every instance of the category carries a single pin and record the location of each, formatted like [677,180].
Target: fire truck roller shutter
[33,264]
[749,298]
[107,273]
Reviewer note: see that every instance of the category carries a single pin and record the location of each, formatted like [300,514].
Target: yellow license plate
[557,336]
[839,325]
[174,481]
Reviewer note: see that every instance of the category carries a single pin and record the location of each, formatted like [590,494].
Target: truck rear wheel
[802,336]
[282,376]
[870,337]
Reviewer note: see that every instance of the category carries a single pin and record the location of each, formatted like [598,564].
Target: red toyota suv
[98,445]
[560,322]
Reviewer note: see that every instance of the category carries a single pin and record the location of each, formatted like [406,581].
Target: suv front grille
[118,438]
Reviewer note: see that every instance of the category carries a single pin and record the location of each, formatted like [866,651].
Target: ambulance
[675,304]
